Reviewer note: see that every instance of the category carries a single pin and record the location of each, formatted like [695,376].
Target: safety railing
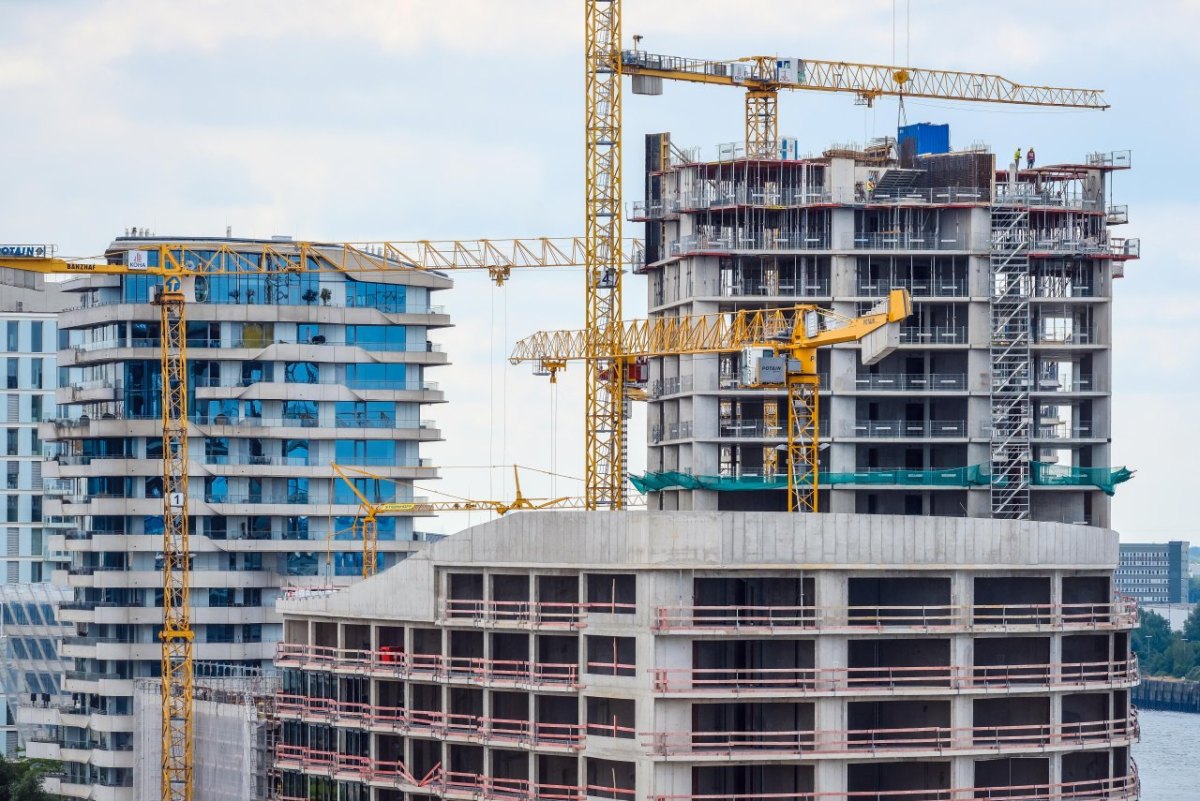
[400,720]
[537,614]
[888,741]
[1030,195]
[1063,431]
[933,335]
[911,382]
[909,429]
[918,288]
[886,680]
[801,287]
[389,662]
[1120,613]
[1121,788]
[730,239]
[913,240]
[1079,335]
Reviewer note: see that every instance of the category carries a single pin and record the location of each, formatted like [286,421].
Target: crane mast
[177,635]
[604,418]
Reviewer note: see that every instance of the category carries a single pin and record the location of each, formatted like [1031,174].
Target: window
[365,414]
[309,333]
[301,564]
[297,490]
[252,409]
[257,372]
[13,382]
[216,490]
[35,336]
[14,470]
[296,528]
[35,406]
[203,335]
[35,508]
[610,656]
[376,376]
[217,527]
[376,490]
[296,451]
[216,450]
[220,596]
[302,413]
[301,373]
[385,297]
[13,345]
[376,337]
[365,452]
[218,632]
[35,373]
[13,513]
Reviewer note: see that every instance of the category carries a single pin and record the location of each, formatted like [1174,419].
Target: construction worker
[1029,158]
[1017,158]
[870,187]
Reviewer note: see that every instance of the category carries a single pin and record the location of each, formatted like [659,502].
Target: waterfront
[1168,756]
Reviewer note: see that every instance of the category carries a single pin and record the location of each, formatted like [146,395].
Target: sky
[396,119]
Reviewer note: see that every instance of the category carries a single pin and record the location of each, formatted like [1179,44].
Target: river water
[1168,756]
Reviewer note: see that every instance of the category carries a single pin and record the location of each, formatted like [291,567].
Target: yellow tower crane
[762,77]
[370,510]
[180,265]
[779,348]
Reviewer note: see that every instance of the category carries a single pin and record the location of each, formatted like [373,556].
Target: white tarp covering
[228,753]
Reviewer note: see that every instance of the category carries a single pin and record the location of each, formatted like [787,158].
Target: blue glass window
[370,294]
[376,376]
[365,414]
[301,373]
[377,337]
[376,491]
[302,564]
[302,413]
[365,452]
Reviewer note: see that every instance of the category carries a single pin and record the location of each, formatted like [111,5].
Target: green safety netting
[1104,478]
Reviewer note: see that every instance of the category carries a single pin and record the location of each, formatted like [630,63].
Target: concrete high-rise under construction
[997,402]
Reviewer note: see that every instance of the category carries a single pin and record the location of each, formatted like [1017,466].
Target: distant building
[1154,572]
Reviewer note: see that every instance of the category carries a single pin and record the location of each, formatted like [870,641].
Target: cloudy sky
[398,119]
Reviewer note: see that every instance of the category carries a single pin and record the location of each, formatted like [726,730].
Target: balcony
[1119,614]
[426,723]
[519,613]
[725,240]
[915,240]
[392,663]
[932,679]
[891,742]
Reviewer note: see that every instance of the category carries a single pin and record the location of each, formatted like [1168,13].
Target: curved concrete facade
[691,655]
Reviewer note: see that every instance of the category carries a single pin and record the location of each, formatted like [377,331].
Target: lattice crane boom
[795,333]
[763,76]
[371,510]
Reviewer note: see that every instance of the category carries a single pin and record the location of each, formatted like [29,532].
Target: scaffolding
[235,735]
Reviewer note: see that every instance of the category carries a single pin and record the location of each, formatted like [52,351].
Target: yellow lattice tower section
[177,671]
[802,442]
[770,457]
[604,470]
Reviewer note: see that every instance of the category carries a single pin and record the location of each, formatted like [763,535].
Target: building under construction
[997,400]
[696,656]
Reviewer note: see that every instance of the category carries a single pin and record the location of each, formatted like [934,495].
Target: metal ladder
[1012,364]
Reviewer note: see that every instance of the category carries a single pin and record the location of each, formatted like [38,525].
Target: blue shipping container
[929,138]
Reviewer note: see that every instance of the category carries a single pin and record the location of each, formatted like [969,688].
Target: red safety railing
[990,738]
[889,679]
[545,614]
[1122,788]
[394,719]
[388,662]
[1120,613]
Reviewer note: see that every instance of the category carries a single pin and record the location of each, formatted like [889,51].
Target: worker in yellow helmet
[1017,158]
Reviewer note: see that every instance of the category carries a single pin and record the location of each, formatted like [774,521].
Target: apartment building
[288,372]
[997,402]
[728,655]
[30,636]
[1155,573]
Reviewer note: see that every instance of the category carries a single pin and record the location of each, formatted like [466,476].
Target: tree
[1191,627]
[1194,589]
[21,779]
